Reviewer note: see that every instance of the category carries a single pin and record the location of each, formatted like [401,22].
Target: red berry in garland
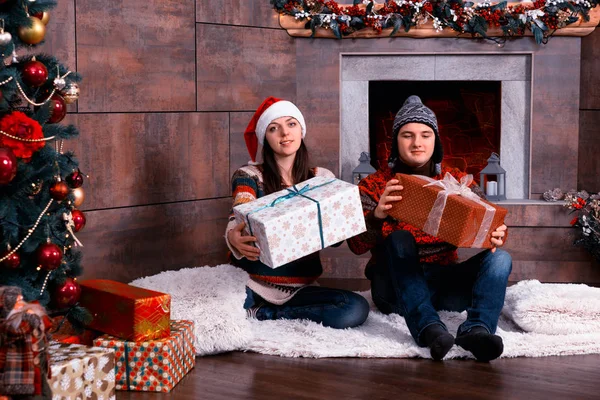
[34,73]
[49,256]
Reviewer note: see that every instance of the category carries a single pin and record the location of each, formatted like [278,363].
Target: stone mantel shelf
[296,28]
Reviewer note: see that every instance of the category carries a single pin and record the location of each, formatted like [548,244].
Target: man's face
[416,143]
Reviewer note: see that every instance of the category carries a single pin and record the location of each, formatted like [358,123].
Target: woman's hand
[240,242]
[381,209]
[497,237]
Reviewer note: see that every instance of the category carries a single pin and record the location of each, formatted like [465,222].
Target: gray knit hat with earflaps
[413,110]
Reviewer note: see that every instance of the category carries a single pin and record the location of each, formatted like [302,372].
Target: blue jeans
[335,308]
[401,285]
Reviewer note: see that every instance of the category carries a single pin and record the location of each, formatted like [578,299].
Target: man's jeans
[400,284]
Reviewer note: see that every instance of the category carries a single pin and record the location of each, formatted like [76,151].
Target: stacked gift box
[152,353]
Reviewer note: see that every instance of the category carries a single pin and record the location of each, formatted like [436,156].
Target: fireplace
[468,114]
[481,109]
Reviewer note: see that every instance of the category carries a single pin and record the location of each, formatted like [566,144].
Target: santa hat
[270,109]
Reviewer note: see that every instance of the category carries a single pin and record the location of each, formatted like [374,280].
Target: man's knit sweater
[431,249]
[280,284]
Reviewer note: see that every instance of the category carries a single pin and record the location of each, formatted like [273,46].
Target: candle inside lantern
[491,188]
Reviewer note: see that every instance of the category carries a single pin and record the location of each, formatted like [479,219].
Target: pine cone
[553,195]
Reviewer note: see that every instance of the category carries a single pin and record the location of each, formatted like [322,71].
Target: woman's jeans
[335,308]
[401,285]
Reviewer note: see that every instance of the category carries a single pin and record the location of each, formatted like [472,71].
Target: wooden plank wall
[589,115]
[170,85]
[168,88]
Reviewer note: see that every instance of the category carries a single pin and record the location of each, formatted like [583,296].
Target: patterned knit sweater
[280,284]
[431,249]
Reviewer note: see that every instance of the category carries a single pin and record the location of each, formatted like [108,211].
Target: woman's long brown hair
[272,176]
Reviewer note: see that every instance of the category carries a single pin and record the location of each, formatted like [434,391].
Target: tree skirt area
[537,320]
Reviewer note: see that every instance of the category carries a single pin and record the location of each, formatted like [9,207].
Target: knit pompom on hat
[270,109]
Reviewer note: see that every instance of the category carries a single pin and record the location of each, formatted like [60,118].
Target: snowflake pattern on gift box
[348,211]
[337,205]
[326,220]
[299,231]
[274,240]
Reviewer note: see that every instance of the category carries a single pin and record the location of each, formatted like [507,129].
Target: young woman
[289,291]
[414,274]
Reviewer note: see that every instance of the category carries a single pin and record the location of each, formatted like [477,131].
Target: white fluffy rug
[538,320]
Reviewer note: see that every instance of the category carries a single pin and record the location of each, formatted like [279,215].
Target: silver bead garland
[45,283]
[30,232]
[27,140]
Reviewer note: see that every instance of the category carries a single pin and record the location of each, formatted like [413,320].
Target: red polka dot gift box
[154,365]
[447,209]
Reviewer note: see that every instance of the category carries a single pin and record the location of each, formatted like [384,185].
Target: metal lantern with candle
[363,169]
[492,179]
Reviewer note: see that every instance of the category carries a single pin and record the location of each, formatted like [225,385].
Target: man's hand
[497,237]
[381,209]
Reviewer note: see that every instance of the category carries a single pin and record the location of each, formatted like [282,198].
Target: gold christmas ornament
[43,16]
[79,196]
[33,34]
[70,93]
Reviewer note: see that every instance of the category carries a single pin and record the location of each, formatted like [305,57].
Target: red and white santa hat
[270,109]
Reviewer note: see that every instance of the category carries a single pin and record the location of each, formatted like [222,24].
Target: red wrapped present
[125,311]
[156,365]
[447,209]
[63,332]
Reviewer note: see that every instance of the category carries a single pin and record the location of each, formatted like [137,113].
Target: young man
[414,274]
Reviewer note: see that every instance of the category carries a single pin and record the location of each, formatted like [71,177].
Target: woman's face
[416,143]
[284,135]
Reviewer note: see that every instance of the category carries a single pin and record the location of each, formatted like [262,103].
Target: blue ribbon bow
[294,192]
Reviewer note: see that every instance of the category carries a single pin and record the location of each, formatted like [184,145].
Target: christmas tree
[40,183]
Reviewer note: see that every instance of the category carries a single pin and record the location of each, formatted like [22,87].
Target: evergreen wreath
[541,17]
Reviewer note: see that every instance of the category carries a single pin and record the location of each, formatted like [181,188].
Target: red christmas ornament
[34,73]
[49,256]
[58,108]
[75,180]
[8,165]
[78,219]
[13,261]
[67,294]
[21,126]
[59,190]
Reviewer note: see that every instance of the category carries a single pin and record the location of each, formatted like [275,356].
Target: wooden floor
[239,375]
[255,376]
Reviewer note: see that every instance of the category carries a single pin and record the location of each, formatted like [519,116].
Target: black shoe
[438,340]
[483,345]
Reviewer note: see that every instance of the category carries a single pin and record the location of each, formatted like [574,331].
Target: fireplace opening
[468,114]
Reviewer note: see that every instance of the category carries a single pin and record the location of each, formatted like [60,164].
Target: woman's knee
[355,312]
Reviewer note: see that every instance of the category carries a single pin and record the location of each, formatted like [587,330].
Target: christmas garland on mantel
[541,17]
